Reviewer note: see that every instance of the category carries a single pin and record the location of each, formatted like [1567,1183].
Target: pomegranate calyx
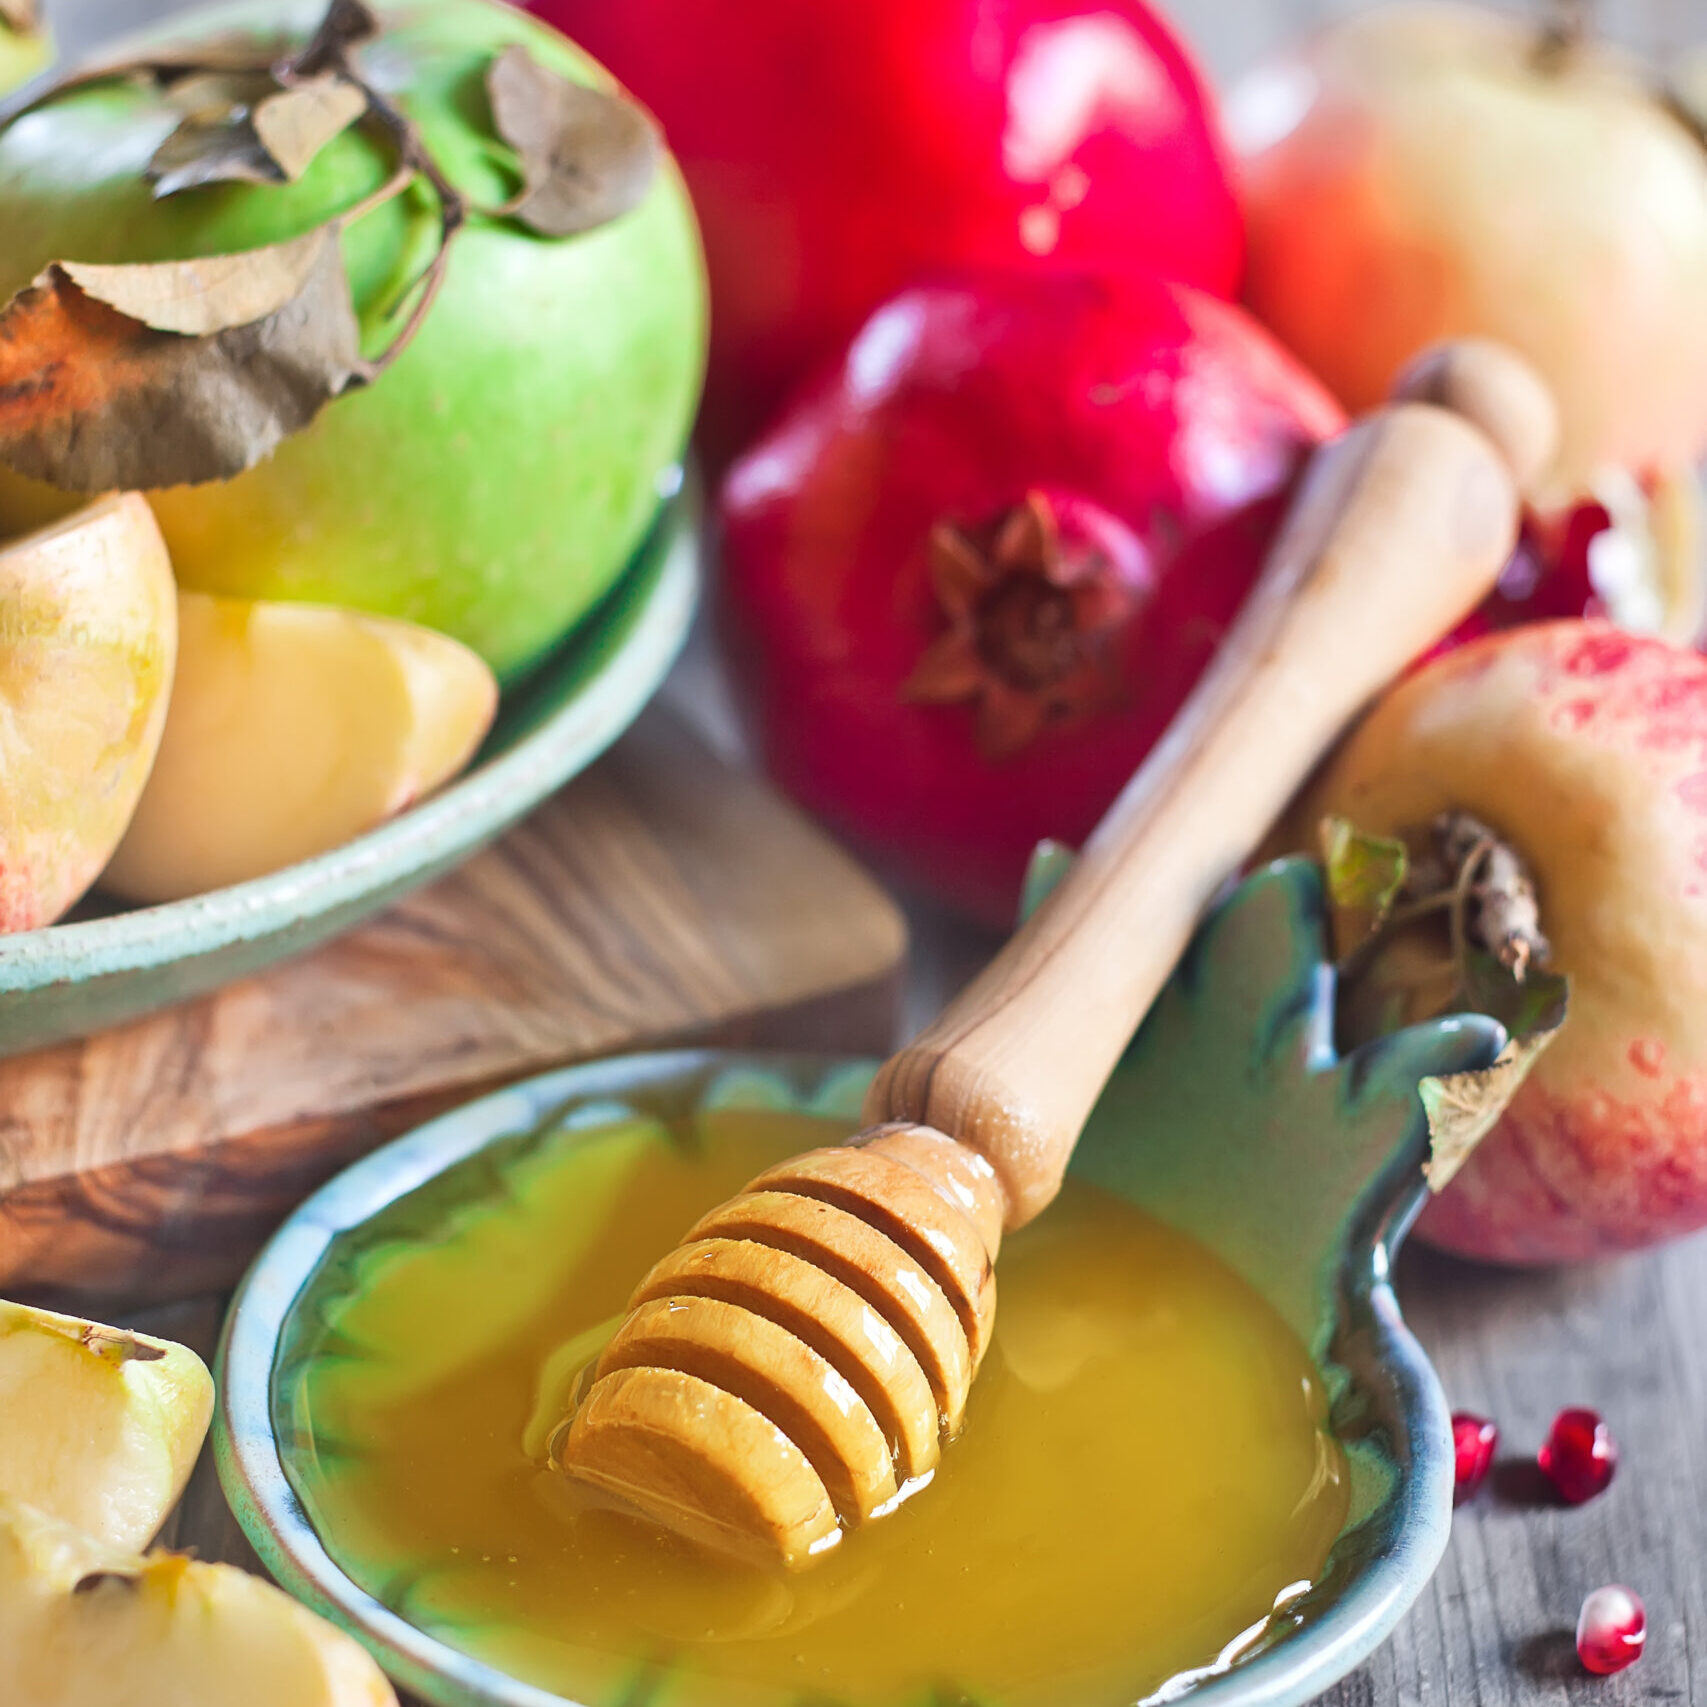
[1032,611]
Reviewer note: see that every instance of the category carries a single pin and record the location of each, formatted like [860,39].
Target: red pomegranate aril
[1579,1456]
[1474,1442]
[1611,1629]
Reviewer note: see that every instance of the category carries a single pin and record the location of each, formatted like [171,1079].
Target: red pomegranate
[838,152]
[971,574]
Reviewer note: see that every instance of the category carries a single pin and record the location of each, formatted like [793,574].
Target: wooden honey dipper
[797,1361]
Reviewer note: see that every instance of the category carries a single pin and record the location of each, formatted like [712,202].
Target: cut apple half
[83,1624]
[98,1427]
[292,729]
[88,634]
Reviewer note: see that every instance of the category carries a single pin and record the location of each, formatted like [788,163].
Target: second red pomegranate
[971,575]
[840,151]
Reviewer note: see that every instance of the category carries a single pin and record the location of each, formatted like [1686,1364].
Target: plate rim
[419,843]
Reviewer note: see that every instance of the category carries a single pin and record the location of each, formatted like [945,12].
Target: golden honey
[1144,1473]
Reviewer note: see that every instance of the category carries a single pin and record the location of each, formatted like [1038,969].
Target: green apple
[492,483]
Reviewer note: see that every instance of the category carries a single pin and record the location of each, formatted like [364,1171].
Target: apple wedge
[88,634]
[98,1427]
[292,729]
[83,1624]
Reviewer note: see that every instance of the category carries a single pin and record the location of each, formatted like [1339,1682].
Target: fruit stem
[346,26]
[1568,25]
[1457,914]
[394,186]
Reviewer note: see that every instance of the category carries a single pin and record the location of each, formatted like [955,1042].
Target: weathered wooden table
[1628,1337]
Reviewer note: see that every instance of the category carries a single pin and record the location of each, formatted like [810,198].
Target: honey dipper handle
[1399,529]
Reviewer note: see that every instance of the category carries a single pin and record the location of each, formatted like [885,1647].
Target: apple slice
[98,1427]
[292,729]
[86,653]
[84,1624]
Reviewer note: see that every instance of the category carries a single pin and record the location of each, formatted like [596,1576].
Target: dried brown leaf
[217,97]
[225,151]
[587,157]
[238,134]
[211,293]
[235,51]
[1463,1108]
[296,123]
[92,399]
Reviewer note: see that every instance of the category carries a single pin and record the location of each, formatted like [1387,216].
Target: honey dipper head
[795,1363]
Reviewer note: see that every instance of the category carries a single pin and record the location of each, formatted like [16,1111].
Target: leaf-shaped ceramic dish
[1231,1118]
[72,979]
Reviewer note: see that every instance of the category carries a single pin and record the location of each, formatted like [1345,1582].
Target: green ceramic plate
[75,978]
[1232,1118]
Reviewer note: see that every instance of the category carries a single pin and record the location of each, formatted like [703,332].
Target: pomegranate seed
[1474,1442]
[1579,1456]
[1611,1629]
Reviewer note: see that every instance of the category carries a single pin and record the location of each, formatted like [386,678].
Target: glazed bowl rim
[1289,1671]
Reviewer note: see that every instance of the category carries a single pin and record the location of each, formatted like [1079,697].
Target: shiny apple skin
[1587,748]
[1411,173]
[840,150]
[1169,411]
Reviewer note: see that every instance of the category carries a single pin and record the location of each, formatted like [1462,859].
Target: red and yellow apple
[1429,170]
[1586,748]
[87,649]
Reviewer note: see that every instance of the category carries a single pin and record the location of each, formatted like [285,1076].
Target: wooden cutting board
[661,898]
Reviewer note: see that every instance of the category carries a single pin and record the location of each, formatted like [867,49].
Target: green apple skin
[495,480]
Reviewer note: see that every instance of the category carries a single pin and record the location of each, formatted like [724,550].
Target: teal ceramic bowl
[83,976]
[1232,1118]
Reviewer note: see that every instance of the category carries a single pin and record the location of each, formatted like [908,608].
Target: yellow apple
[88,635]
[84,1624]
[292,729]
[98,1427]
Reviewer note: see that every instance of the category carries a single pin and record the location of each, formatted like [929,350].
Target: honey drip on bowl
[1144,1472]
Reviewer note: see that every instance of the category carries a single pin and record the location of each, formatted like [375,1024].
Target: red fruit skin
[838,152]
[1169,410]
[1587,747]
[1475,1440]
[1538,584]
[1579,1456]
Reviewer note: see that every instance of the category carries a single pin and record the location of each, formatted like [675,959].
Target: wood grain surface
[662,898]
